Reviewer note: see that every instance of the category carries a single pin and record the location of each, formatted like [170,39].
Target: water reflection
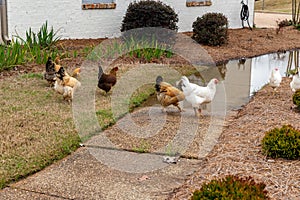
[245,77]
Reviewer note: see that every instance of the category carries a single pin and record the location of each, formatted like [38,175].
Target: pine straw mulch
[239,151]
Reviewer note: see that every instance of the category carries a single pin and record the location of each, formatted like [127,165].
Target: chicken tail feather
[159,79]
[100,72]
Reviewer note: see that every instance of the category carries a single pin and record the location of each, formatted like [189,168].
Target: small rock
[170,159]
[271,160]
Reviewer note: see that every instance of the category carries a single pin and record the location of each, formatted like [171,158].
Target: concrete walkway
[268,20]
[81,176]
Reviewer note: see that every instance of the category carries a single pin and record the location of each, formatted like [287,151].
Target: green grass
[32,75]
[284,6]
[104,113]
[143,147]
[105,118]
[140,96]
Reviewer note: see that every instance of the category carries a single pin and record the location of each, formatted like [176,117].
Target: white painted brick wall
[73,22]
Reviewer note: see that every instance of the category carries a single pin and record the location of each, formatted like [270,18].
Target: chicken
[67,80]
[198,95]
[57,66]
[65,84]
[295,83]
[49,74]
[65,91]
[168,94]
[76,73]
[107,81]
[275,79]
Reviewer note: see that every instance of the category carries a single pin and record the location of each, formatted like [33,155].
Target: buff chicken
[167,94]
[65,84]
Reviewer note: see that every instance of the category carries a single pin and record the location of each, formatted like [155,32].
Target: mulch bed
[239,152]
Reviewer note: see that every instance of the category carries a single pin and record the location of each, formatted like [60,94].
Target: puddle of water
[242,79]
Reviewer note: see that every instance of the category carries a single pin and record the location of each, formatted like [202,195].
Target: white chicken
[198,95]
[295,83]
[275,79]
[65,91]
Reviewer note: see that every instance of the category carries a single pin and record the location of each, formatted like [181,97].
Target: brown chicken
[107,81]
[168,94]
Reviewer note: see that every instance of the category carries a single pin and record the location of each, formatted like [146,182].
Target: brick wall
[73,22]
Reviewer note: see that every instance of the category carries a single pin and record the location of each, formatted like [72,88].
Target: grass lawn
[284,6]
[37,126]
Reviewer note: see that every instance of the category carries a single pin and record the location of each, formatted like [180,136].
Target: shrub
[282,143]
[283,23]
[149,43]
[211,29]
[149,14]
[231,187]
[296,98]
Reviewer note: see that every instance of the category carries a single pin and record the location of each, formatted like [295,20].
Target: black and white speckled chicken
[50,74]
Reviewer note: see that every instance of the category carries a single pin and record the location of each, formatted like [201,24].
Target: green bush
[149,43]
[149,14]
[211,29]
[231,187]
[282,143]
[296,98]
